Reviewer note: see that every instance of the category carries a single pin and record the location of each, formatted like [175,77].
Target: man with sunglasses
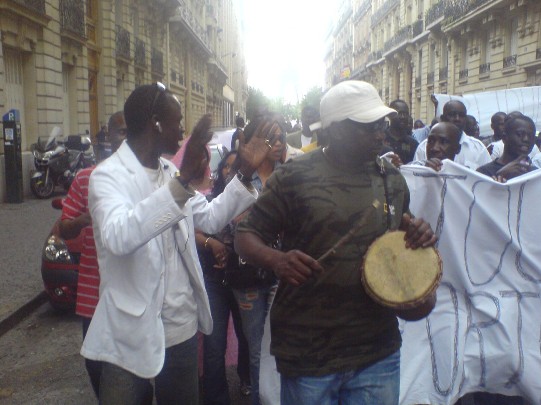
[473,152]
[331,342]
[152,296]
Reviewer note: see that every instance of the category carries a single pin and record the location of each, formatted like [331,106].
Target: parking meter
[13,156]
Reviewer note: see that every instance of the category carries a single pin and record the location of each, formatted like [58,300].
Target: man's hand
[219,252]
[196,154]
[434,164]
[252,153]
[515,168]
[418,232]
[295,267]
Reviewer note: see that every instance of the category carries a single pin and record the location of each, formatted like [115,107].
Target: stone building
[72,63]
[414,48]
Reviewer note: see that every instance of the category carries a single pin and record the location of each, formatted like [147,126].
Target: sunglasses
[161,89]
[380,125]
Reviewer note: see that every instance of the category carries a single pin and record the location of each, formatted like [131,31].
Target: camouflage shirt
[329,324]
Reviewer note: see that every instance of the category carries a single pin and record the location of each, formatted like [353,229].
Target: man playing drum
[332,343]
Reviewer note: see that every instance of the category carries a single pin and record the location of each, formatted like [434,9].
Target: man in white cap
[332,343]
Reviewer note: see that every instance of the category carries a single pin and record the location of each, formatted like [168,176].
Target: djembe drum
[404,280]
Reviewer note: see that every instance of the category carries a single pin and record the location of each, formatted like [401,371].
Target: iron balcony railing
[484,68]
[362,10]
[156,61]
[383,11]
[399,38]
[122,42]
[35,5]
[455,9]
[509,61]
[435,12]
[192,22]
[72,16]
[443,73]
[140,54]
[463,74]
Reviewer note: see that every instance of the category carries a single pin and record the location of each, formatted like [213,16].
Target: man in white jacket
[152,296]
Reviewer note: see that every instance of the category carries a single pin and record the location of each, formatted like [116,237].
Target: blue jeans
[222,304]
[177,382]
[254,303]
[376,384]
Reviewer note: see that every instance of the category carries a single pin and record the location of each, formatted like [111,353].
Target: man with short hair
[330,340]
[398,135]
[497,125]
[76,219]
[305,136]
[443,142]
[472,151]
[239,122]
[152,295]
[496,148]
[472,127]
[519,140]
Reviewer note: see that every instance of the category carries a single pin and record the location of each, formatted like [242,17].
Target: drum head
[397,277]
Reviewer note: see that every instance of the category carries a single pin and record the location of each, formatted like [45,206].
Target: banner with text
[485,332]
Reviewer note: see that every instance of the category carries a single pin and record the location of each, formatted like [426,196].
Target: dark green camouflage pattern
[328,324]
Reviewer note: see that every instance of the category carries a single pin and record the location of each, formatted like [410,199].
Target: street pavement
[23,229]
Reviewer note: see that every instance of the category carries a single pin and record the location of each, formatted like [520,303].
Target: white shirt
[473,152]
[497,150]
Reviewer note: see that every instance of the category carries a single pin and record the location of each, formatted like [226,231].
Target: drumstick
[351,233]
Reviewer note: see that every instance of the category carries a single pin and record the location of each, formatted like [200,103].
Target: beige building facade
[72,63]
[415,48]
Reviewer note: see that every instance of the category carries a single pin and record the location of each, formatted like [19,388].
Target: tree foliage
[312,97]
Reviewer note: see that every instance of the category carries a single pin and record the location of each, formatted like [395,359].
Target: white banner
[483,105]
[485,332]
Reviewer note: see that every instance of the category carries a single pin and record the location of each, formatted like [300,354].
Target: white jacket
[127,216]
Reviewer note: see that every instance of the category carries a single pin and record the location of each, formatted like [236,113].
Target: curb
[13,319]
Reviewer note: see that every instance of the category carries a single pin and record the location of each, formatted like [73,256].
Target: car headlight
[56,250]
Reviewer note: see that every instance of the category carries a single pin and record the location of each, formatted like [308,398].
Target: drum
[401,279]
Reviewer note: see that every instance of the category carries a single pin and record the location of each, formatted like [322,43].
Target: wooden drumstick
[351,233]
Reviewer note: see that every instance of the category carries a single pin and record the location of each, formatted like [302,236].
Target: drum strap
[383,174]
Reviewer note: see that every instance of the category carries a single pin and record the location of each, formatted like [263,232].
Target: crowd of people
[168,253]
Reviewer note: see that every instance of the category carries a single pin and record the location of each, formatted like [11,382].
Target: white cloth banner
[483,105]
[485,332]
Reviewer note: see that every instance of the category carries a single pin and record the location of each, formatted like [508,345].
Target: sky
[284,43]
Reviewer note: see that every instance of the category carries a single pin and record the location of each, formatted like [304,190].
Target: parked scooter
[58,161]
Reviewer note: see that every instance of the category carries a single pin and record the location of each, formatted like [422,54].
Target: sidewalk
[23,229]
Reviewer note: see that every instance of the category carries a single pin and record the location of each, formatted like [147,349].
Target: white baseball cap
[355,100]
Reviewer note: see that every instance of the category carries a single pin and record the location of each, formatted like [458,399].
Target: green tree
[255,103]
[312,97]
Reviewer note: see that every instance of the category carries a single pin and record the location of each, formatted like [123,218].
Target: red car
[60,266]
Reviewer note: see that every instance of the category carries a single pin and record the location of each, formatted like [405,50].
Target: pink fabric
[179,156]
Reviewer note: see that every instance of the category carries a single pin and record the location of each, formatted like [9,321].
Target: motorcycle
[58,161]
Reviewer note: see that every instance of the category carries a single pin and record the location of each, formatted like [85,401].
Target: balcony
[463,74]
[399,38]
[383,11]
[140,54]
[185,16]
[443,73]
[72,16]
[435,12]
[122,41]
[156,61]
[457,9]
[430,78]
[35,5]
[509,61]
[484,68]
